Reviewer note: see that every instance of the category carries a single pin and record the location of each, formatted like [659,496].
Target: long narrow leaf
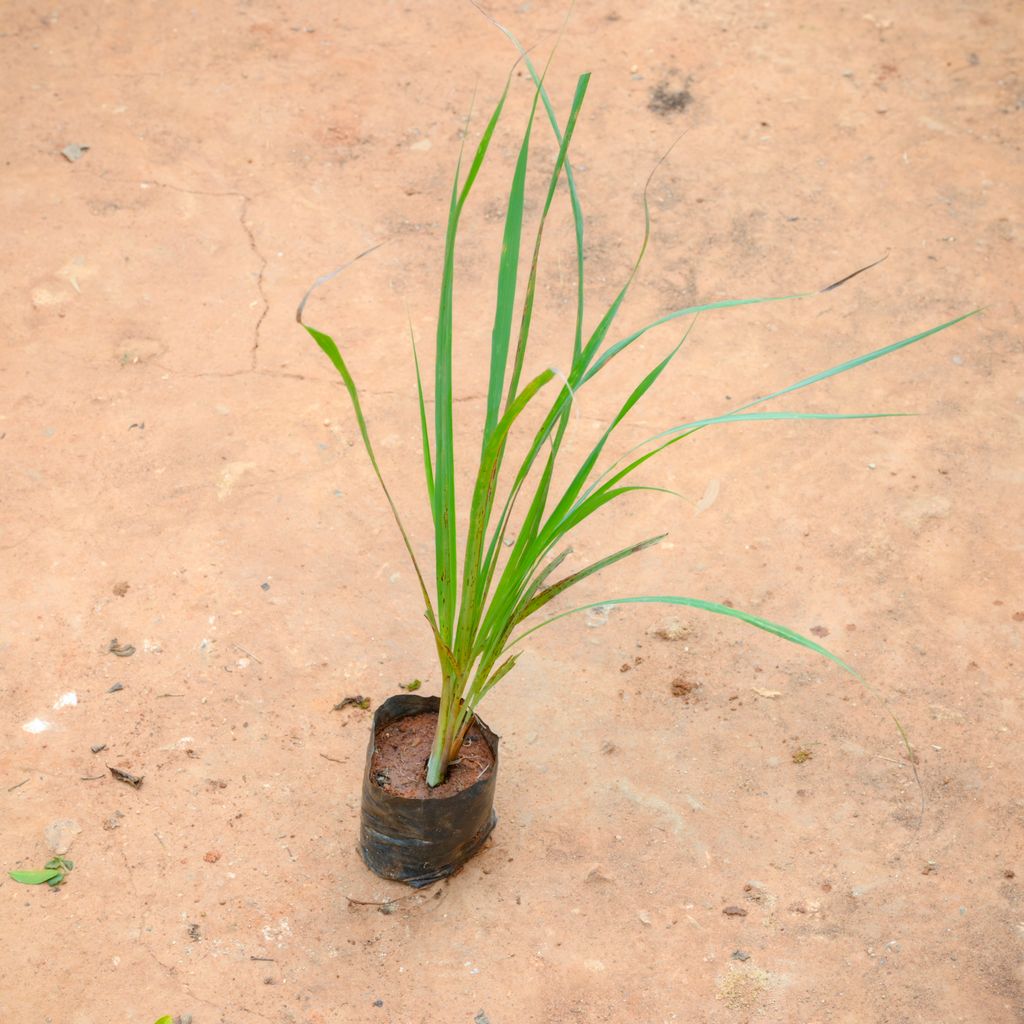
[428,469]
[574,199]
[851,364]
[443,508]
[483,497]
[531,286]
[685,429]
[550,593]
[752,620]
[580,478]
[327,344]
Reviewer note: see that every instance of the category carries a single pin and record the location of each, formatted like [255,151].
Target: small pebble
[116,688]
[264,586]
[741,955]
[734,912]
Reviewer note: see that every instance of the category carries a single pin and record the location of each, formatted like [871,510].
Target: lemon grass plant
[489,591]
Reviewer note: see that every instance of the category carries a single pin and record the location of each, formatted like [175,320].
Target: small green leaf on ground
[802,755]
[35,877]
[410,687]
[166,1019]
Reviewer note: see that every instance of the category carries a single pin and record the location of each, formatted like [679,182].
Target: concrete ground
[704,825]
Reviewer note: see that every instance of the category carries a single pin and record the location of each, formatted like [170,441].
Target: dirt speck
[669,98]
[671,629]
[684,689]
[743,988]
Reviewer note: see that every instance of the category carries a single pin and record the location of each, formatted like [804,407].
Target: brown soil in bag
[403,747]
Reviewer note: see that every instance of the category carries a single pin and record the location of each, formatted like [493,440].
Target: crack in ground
[243,220]
[243,215]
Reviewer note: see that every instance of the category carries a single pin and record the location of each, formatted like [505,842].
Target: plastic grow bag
[419,841]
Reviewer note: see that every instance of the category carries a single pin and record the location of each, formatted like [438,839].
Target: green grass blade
[516,589]
[851,364]
[498,674]
[752,620]
[487,569]
[570,177]
[580,478]
[531,286]
[610,353]
[428,469]
[443,507]
[480,510]
[557,418]
[508,272]
[330,349]
[686,429]
[550,593]
[756,417]
[528,546]
[601,331]
[709,606]
[541,576]
[720,609]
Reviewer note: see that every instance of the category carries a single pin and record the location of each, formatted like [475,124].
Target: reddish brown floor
[181,471]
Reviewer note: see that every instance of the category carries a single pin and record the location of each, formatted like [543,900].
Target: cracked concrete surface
[171,442]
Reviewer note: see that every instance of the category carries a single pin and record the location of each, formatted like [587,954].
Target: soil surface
[181,471]
[400,757]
